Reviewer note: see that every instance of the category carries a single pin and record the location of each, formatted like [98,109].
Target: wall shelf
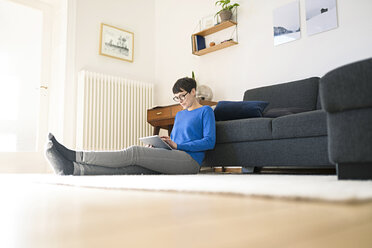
[216,28]
[215,48]
[213,30]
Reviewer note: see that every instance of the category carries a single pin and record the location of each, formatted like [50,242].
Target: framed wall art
[116,43]
[287,23]
[208,22]
[321,15]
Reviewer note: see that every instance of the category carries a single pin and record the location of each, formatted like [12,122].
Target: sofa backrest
[300,94]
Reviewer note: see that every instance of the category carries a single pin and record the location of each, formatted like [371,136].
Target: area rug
[303,187]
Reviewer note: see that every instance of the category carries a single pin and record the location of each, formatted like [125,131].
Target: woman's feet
[60,164]
[67,153]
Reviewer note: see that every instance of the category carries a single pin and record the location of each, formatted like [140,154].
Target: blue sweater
[195,131]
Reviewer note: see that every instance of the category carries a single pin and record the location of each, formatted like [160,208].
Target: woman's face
[185,99]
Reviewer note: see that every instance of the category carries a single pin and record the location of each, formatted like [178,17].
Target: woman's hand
[170,142]
[149,146]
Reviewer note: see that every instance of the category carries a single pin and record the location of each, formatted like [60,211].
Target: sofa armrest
[346,95]
[347,87]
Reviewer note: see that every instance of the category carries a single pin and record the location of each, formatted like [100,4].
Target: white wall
[134,16]
[85,17]
[162,48]
[254,61]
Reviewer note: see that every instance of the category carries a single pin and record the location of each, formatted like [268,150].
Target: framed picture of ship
[116,43]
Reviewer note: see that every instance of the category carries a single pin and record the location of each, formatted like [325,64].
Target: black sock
[67,153]
[59,163]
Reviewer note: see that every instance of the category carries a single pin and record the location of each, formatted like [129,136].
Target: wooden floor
[36,215]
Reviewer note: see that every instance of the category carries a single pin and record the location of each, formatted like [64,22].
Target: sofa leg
[354,171]
[248,169]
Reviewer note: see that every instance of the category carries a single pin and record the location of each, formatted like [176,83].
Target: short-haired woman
[193,133]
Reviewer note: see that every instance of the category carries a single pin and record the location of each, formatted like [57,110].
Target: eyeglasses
[180,97]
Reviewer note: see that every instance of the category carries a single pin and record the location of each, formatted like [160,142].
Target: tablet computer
[155,141]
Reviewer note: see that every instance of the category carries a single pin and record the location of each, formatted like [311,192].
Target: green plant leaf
[225,5]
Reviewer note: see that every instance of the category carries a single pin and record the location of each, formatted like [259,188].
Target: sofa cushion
[307,124]
[299,94]
[230,110]
[277,112]
[243,130]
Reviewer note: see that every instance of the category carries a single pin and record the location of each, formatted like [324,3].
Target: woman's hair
[184,84]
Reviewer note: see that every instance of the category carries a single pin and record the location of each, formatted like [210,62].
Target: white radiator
[111,111]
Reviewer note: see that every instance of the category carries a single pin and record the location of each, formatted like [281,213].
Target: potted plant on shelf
[226,11]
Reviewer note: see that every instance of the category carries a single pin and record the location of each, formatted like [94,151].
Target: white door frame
[32,162]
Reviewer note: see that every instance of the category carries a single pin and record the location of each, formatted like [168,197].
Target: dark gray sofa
[298,140]
[347,96]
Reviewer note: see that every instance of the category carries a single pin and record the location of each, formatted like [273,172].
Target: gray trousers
[135,160]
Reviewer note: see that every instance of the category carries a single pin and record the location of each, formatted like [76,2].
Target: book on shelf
[193,46]
[200,42]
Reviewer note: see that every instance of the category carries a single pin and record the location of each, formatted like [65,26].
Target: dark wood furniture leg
[170,127]
[156,130]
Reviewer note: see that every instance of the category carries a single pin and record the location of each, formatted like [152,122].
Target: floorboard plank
[37,215]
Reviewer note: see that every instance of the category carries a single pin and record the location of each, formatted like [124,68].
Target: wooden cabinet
[159,114]
[212,30]
[163,117]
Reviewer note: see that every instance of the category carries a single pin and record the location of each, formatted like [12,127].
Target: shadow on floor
[270,170]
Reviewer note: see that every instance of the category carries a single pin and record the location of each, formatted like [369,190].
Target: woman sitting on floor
[193,133]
